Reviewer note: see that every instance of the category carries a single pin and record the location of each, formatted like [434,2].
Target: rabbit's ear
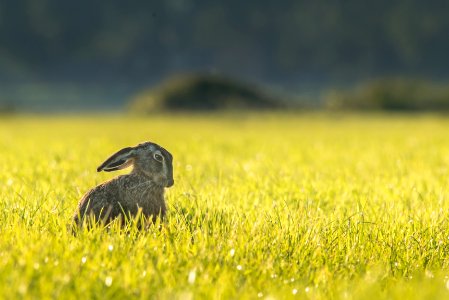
[118,161]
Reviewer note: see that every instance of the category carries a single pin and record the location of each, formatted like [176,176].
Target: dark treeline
[102,52]
[287,40]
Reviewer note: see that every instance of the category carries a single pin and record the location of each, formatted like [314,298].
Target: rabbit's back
[101,202]
[126,194]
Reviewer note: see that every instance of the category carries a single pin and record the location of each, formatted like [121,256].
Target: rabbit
[140,190]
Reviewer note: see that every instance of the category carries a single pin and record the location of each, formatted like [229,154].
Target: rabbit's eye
[158,157]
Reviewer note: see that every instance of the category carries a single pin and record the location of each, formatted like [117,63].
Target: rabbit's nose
[170,182]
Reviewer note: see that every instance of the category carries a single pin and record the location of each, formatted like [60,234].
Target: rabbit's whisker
[142,184]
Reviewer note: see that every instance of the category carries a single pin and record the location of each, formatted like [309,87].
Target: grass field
[264,206]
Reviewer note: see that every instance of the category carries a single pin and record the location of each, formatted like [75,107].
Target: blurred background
[111,55]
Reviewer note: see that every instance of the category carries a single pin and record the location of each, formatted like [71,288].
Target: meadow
[269,206]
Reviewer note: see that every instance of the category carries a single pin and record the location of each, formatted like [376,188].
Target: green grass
[271,206]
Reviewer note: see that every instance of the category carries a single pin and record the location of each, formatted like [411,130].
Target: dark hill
[202,93]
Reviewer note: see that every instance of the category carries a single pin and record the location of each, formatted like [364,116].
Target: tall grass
[264,206]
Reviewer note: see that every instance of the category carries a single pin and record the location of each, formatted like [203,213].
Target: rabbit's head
[148,159]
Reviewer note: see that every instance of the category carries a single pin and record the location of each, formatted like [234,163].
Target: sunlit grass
[270,205]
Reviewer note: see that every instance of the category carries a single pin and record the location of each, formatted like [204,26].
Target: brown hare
[140,190]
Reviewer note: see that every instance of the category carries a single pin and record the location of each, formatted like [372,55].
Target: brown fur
[124,196]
